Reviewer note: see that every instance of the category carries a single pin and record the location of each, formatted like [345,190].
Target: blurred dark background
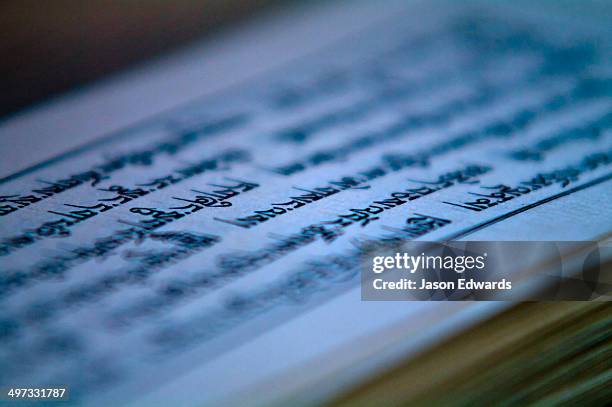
[48,47]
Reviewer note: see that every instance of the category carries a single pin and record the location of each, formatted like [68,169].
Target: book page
[193,228]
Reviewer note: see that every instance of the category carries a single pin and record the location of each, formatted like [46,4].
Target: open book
[190,232]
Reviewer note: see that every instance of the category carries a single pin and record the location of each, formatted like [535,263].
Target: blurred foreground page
[191,232]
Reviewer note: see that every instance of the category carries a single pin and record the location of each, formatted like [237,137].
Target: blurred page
[192,230]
